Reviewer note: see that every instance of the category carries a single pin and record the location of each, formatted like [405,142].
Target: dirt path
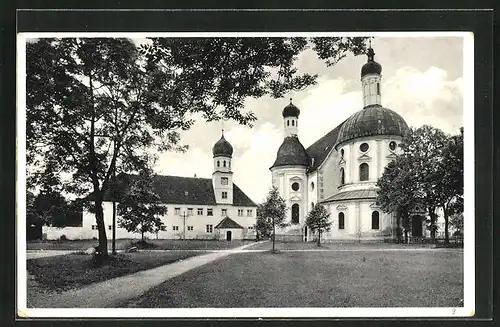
[109,293]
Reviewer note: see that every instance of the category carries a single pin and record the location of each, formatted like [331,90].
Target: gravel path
[109,293]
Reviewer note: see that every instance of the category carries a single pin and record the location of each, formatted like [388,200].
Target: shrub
[63,238]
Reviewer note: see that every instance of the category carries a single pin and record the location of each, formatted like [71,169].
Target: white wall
[199,223]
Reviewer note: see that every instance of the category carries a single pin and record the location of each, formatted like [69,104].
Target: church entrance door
[416,226]
[228,235]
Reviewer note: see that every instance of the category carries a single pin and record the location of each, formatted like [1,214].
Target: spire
[370,53]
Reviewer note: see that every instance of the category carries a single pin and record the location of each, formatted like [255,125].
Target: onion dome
[291,110]
[222,148]
[372,120]
[371,66]
[291,153]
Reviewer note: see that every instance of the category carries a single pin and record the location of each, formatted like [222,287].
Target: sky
[422,80]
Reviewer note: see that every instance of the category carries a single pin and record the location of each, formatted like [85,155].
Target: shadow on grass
[65,272]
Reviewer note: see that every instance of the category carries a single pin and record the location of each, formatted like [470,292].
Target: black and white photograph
[245,174]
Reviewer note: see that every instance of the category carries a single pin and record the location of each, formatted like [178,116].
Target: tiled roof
[351,195]
[188,190]
[320,149]
[228,223]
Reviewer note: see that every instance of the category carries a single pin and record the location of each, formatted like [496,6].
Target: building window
[224,163]
[224,212]
[94,227]
[200,211]
[240,212]
[166,210]
[363,147]
[190,228]
[375,220]
[293,122]
[295,186]
[287,123]
[224,180]
[364,174]
[378,88]
[295,213]
[210,212]
[209,228]
[177,211]
[312,186]
[218,163]
[392,145]
[342,153]
[229,163]
[175,228]
[190,211]
[224,195]
[250,227]
[341,220]
[342,176]
[249,212]
[110,227]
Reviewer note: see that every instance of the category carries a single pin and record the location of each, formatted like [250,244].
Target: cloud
[425,97]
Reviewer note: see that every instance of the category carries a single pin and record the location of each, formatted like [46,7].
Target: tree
[424,146]
[139,208]
[98,106]
[451,184]
[397,192]
[318,220]
[272,213]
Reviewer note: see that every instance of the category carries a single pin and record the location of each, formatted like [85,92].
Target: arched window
[218,163]
[295,213]
[229,164]
[375,220]
[341,220]
[342,153]
[342,176]
[378,88]
[224,163]
[293,122]
[312,186]
[287,123]
[364,174]
[312,205]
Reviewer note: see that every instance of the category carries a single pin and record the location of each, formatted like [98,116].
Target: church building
[197,208]
[340,170]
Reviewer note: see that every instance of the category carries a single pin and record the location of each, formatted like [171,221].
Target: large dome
[291,153]
[222,148]
[372,120]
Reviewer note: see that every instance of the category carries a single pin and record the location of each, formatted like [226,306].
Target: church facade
[340,170]
[197,208]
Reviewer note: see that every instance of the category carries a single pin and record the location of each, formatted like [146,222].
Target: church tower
[370,80]
[222,177]
[289,171]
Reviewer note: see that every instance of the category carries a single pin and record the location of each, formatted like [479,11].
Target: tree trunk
[398,228]
[432,214]
[274,233]
[142,236]
[406,236]
[99,216]
[446,236]
[319,237]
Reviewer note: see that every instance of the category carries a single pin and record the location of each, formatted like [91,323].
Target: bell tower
[222,177]
[371,79]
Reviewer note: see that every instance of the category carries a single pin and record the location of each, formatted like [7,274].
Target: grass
[337,246]
[122,244]
[316,279]
[65,272]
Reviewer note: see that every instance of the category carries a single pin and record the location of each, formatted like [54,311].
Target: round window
[295,186]
[392,145]
[363,147]
[312,186]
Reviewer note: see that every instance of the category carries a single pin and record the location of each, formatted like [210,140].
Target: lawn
[122,244]
[65,272]
[316,279]
[338,246]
